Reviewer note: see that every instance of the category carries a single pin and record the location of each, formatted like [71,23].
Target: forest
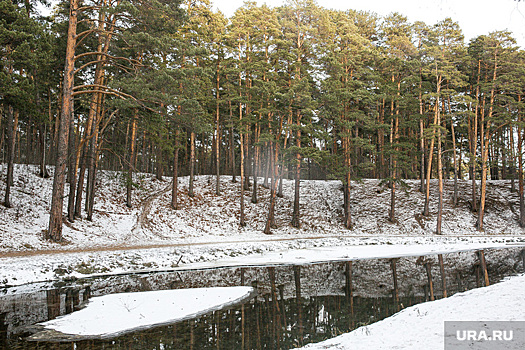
[296,92]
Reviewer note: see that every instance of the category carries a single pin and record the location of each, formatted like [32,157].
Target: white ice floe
[114,314]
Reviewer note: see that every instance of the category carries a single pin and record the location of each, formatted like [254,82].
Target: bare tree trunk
[513,158]
[174,188]
[132,159]
[422,151]
[93,160]
[393,138]
[72,173]
[426,210]
[256,159]
[347,184]
[474,144]
[192,164]
[232,144]
[270,222]
[242,221]
[455,196]
[296,221]
[485,139]
[11,137]
[520,175]
[440,180]
[267,169]
[217,140]
[55,218]
[42,143]
[159,165]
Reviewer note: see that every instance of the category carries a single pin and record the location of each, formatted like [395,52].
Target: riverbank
[422,326]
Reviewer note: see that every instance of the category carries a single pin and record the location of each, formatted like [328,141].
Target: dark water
[296,305]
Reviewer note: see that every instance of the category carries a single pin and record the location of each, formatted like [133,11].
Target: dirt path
[264,239]
[142,218]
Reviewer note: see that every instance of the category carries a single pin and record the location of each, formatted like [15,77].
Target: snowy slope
[208,217]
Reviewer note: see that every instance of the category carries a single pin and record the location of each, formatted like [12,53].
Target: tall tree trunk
[485,143]
[426,210]
[256,159]
[55,217]
[296,219]
[512,169]
[217,137]
[394,135]
[520,172]
[474,143]
[484,170]
[192,164]
[232,155]
[91,194]
[42,143]
[242,221]
[440,180]
[347,182]
[132,159]
[267,169]
[159,163]
[246,161]
[92,168]
[455,195]
[94,151]
[270,222]
[11,137]
[72,173]
[422,152]
[174,188]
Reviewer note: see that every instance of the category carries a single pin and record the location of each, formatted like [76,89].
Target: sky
[475,17]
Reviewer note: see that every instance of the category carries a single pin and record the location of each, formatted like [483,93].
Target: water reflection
[296,305]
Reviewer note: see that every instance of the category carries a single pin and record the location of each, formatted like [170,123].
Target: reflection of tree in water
[296,305]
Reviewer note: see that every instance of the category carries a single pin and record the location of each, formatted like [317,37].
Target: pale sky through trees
[476,17]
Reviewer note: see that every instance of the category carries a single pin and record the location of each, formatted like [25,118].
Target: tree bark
[270,222]
[440,180]
[72,173]
[55,218]
[11,138]
[296,220]
[455,196]
[242,221]
[217,137]
[426,210]
[132,160]
[174,188]
[42,143]
[192,164]
[485,143]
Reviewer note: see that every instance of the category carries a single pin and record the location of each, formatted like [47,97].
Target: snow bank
[422,326]
[16,271]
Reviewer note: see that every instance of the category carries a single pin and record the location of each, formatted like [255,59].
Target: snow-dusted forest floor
[210,218]
[205,228]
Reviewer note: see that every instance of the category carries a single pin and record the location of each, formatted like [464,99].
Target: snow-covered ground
[422,326]
[209,218]
[153,236]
